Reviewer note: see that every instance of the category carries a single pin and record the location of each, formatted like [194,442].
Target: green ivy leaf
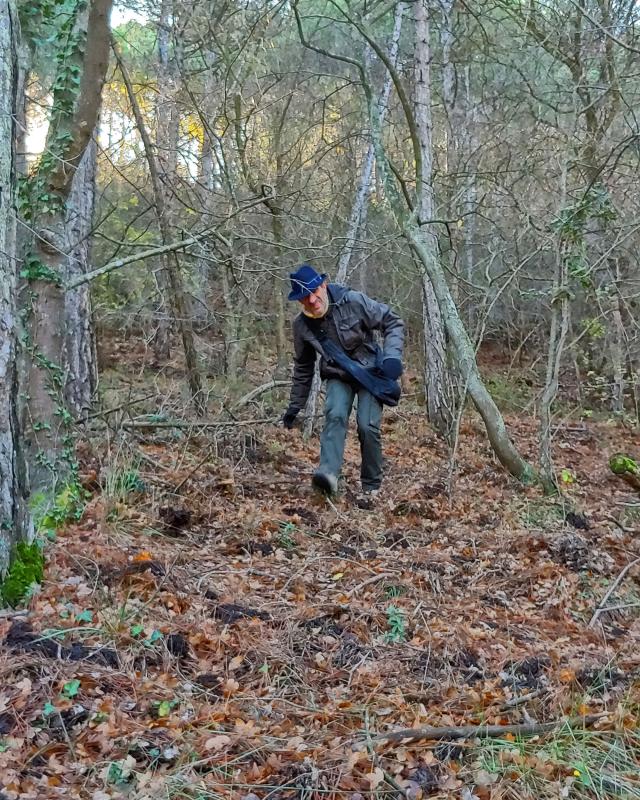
[566,476]
[71,688]
[85,616]
[164,708]
[115,773]
[154,637]
[48,710]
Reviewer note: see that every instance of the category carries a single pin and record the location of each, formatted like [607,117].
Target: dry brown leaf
[216,743]
[375,778]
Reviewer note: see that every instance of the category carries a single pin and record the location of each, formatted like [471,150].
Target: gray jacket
[351,322]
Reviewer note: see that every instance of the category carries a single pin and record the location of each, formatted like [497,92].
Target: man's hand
[289,418]
[392,368]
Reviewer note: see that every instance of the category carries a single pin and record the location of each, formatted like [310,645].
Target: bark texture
[560,310]
[437,380]
[167,121]
[79,343]
[13,520]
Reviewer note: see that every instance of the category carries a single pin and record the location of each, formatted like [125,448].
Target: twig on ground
[485,731]
[8,613]
[153,462]
[372,579]
[601,605]
[619,607]
[195,469]
[618,524]
[522,698]
[247,398]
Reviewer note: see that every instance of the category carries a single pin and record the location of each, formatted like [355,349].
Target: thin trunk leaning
[465,361]
[617,340]
[438,389]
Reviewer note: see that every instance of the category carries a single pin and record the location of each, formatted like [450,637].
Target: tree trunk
[465,361]
[76,104]
[166,144]
[272,201]
[469,208]
[452,132]
[277,227]
[233,322]
[79,345]
[438,388]
[208,175]
[617,339]
[361,202]
[13,517]
[557,337]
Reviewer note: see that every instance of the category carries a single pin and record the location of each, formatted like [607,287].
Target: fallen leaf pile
[238,637]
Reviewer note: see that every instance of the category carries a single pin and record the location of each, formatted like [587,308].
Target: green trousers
[338,404]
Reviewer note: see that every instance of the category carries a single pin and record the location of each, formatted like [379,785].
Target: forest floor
[209,628]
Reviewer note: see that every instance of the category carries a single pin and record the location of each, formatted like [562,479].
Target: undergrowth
[25,571]
[572,763]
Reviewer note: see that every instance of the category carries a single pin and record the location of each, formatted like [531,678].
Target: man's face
[316,304]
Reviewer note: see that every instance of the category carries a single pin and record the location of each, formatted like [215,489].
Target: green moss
[621,464]
[26,568]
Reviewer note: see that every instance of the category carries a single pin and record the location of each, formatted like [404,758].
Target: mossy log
[626,468]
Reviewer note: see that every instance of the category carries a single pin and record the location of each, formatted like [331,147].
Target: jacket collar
[336,292]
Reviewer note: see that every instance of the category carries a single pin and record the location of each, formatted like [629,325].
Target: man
[338,325]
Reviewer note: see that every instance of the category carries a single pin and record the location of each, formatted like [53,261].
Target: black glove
[392,368]
[289,418]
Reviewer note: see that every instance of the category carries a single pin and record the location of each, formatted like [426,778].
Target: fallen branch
[181,424]
[618,524]
[619,607]
[193,471]
[485,731]
[602,604]
[107,411]
[244,401]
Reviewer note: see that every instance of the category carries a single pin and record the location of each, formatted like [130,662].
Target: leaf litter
[256,640]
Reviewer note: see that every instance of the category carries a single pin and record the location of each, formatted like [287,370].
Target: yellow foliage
[192,127]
